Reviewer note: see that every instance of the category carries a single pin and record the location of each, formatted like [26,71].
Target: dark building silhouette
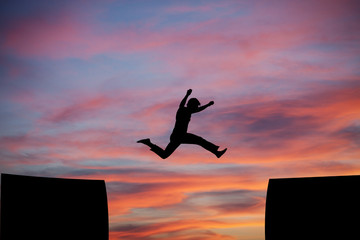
[53,208]
[313,208]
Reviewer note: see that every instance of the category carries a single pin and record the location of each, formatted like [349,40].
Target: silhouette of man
[180,134]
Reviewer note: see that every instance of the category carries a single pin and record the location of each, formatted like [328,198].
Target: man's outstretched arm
[183,102]
[204,106]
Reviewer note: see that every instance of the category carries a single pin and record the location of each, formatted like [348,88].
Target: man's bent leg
[170,148]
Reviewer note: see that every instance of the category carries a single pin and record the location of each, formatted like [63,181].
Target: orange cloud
[137,232]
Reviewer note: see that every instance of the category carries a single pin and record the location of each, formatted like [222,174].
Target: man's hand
[189,92]
[211,103]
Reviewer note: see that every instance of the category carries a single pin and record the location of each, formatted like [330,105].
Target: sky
[82,81]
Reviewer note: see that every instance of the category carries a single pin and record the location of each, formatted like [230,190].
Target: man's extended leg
[190,138]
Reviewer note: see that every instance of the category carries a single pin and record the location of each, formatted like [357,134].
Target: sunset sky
[82,81]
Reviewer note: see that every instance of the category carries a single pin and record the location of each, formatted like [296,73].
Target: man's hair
[193,102]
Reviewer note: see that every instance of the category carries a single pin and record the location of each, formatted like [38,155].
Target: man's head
[193,104]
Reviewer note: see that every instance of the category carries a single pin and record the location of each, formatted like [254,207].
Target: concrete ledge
[53,208]
[313,208]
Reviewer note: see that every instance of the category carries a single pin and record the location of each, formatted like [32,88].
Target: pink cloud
[70,147]
[75,110]
[67,36]
[184,8]
[37,36]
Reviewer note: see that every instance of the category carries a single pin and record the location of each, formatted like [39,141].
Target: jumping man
[180,134]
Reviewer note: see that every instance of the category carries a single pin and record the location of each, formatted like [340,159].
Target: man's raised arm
[204,106]
[182,103]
